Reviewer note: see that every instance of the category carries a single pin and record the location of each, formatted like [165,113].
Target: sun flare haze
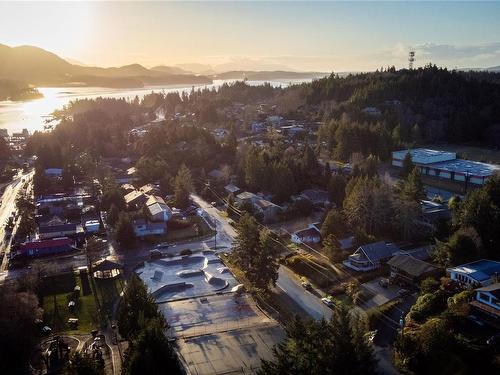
[258,35]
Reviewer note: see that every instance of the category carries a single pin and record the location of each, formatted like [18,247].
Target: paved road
[8,206]
[290,284]
[225,232]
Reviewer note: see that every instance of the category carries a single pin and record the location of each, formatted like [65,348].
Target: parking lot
[233,352]
[217,313]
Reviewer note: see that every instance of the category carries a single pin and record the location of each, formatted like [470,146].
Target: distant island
[17,90]
[38,67]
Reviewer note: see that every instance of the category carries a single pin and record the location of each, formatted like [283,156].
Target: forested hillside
[446,106]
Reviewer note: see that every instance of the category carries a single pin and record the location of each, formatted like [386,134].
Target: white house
[143,228]
[481,273]
[309,235]
[369,257]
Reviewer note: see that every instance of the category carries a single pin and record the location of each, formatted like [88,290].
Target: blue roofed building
[479,273]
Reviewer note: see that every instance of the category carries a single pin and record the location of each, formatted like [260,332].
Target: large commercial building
[445,165]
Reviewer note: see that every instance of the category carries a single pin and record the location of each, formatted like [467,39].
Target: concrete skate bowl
[190,273]
[171,288]
[215,282]
[184,261]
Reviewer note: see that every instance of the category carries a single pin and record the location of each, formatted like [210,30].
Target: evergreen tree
[412,188]
[183,186]
[113,215]
[151,353]
[408,165]
[336,190]
[313,347]
[136,307]
[125,234]
[334,224]
[256,252]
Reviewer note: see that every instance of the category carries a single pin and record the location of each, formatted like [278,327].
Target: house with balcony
[371,256]
[487,301]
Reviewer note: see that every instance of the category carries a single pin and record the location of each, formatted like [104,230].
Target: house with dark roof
[369,257]
[316,196]
[215,174]
[58,230]
[479,273]
[487,301]
[409,269]
[232,189]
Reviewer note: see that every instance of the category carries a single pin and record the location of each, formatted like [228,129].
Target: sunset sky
[259,35]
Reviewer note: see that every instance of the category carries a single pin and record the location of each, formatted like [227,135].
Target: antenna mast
[411,59]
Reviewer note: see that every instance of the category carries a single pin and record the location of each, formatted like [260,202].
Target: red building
[46,247]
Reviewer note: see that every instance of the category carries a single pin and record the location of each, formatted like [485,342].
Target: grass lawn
[108,291]
[55,305]
[199,228]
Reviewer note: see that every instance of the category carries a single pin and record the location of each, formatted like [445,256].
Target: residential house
[150,189]
[216,174]
[158,210]
[232,189]
[46,247]
[58,230]
[292,130]
[143,228]
[407,268]
[257,127]
[135,199]
[479,273]
[316,196]
[246,197]
[370,257]
[487,301]
[310,235]
[267,209]
[127,188]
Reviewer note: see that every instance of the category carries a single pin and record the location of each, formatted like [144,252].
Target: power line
[329,277]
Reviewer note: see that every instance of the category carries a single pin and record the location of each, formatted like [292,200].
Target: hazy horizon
[300,36]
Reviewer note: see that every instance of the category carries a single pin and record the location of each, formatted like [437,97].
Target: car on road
[328,301]
[306,285]
[213,204]
[162,246]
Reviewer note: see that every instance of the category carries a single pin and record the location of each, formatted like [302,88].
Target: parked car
[46,330]
[328,301]
[231,222]
[306,285]
[162,245]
